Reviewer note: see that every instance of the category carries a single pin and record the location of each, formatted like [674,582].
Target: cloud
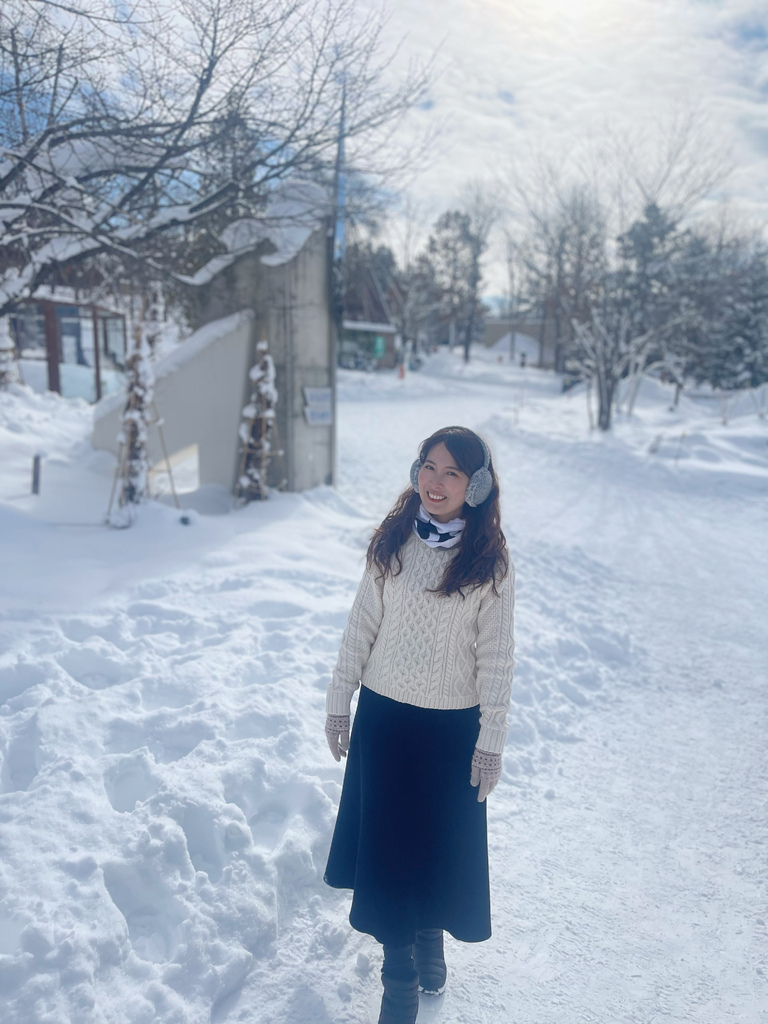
[569,69]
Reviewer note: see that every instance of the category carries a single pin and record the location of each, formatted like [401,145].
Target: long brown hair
[481,554]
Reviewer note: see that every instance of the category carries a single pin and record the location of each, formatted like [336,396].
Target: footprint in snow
[150,619]
[204,842]
[130,781]
[152,915]
[167,740]
[98,665]
[21,757]
[15,679]
[276,610]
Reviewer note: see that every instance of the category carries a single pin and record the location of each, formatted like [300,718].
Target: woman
[430,637]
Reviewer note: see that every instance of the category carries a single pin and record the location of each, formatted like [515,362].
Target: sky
[521,79]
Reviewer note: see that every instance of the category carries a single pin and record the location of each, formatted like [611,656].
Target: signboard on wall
[317,406]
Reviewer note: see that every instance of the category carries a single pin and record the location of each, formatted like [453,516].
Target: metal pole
[96,359]
[118,468]
[159,424]
[52,345]
[36,474]
[337,227]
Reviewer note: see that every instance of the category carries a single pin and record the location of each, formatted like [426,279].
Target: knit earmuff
[480,483]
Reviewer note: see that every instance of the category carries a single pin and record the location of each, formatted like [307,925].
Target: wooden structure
[37,326]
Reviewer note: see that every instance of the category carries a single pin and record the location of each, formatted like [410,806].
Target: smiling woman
[441,484]
[430,639]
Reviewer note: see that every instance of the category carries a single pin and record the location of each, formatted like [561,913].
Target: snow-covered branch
[185,116]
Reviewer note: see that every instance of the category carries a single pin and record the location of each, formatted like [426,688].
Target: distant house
[368,339]
[368,346]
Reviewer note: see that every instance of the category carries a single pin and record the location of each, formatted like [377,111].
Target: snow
[522,343]
[295,209]
[367,325]
[167,794]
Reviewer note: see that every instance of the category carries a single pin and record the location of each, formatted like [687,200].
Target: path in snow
[635,889]
[168,798]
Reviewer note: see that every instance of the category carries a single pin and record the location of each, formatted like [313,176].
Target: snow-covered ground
[167,796]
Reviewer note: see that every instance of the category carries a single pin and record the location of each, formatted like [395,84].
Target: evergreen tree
[732,351]
[450,250]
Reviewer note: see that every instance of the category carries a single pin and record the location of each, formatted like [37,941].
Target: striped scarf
[437,535]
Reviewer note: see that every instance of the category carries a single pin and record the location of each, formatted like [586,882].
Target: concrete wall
[290,306]
[200,391]
[299,318]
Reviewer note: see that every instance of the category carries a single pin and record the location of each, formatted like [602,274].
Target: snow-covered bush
[138,412]
[257,431]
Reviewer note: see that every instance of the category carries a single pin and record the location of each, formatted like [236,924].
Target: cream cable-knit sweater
[427,649]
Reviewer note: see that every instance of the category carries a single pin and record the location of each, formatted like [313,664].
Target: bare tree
[412,286]
[455,251]
[179,116]
[605,254]
[563,253]
[481,205]
[673,166]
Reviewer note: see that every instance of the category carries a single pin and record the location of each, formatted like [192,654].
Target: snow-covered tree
[138,413]
[126,138]
[606,346]
[454,250]
[632,306]
[732,348]
[257,430]
[604,247]
[563,253]
[415,299]
[9,373]
[480,205]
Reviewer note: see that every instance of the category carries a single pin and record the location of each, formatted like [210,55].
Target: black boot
[430,961]
[400,1002]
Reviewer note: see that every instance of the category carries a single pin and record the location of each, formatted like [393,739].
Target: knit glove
[486,772]
[337,734]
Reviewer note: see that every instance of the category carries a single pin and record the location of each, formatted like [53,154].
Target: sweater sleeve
[356,643]
[495,662]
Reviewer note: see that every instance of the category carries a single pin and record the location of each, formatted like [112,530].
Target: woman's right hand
[337,734]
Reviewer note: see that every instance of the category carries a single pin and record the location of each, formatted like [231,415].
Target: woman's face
[442,485]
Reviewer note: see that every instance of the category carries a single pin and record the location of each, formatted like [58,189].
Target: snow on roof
[294,211]
[368,325]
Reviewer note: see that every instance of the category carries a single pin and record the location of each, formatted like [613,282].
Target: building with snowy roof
[272,282]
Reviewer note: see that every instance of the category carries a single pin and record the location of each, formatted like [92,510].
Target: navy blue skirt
[411,837]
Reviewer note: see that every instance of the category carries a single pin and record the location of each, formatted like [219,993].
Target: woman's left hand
[337,734]
[486,772]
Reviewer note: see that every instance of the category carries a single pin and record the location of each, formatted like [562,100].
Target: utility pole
[512,307]
[336,254]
